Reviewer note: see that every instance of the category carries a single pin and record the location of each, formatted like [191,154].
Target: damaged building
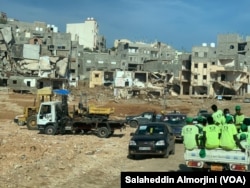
[221,71]
[30,52]
[35,55]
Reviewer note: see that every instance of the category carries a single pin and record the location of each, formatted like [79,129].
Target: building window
[130,58]
[195,77]
[205,54]
[195,65]
[213,63]
[204,65]
[223,77]
[231,46]
[204,77]
[195,54]
[96,75]
[61,47]
[14,82]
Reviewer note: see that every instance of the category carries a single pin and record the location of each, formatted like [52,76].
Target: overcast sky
[179,23]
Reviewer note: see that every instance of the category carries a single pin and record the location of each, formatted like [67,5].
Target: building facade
[87,34]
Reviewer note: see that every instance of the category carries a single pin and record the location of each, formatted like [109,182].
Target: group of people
[221,129]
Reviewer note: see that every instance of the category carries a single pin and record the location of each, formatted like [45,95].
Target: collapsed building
[222,71]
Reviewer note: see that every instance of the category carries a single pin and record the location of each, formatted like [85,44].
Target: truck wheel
[31,123]
[50,130]
[133,124]
[103,132]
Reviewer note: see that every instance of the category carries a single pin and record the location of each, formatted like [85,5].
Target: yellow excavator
[28,117]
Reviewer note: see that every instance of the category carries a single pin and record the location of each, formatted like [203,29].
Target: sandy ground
[29,159]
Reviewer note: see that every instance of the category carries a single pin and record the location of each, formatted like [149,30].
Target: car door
[45,114]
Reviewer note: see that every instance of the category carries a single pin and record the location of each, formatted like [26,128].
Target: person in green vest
[244,136]
[238,117]
[211,134]
[199,124]
[201,136]
[228,138]
[217,115]
[246,121]
[190,134]
[226,112]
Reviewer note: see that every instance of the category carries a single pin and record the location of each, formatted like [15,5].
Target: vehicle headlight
[132,143]
[160,143]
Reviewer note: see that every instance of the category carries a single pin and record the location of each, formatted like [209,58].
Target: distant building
[221,71]
[87,33]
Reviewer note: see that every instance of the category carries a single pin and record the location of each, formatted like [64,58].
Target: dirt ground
[29,159]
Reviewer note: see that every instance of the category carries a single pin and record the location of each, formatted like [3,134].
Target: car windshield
[149,130]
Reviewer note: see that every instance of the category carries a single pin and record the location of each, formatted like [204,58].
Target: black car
[135,120]
[176,121]
[154,138]
[204,113]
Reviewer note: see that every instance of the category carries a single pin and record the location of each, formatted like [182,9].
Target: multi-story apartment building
[221,71]
[87,34]
[202,56]
[90,61]
[136,54]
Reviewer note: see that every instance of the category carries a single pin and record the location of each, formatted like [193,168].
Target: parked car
[204,113]
[153,138]
[246,100]
[176,121]
[144,117]
[201,113]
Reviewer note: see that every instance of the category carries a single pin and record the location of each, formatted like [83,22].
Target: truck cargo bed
[219,155]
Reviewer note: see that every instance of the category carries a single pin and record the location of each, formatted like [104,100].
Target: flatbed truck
[218,159]
[53,118]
